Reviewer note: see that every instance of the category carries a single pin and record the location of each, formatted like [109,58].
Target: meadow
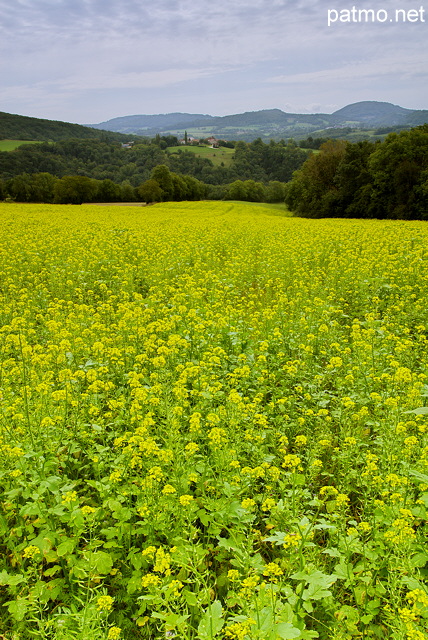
[10,145]
[213,424]
[221,156]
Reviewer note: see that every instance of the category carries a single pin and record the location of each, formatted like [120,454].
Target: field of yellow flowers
[213,424]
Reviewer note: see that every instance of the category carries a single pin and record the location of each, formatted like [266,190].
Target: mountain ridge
[363,114]
[366,119]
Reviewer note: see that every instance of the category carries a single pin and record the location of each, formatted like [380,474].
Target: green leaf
[265,620]
[103,562]
[334,553]
[212,621]
[4,577]
[286,631]
[422,477]
[419,560]
[172,620]
[190,597]
[315,592]
[18,609]
[66,547]
[419,411]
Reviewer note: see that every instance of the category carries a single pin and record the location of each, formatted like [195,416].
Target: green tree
[313,192]
[163,177]
[43,187]
[75,190]
[275,191]
[150,191]
[127,192]
[108,191]
[236,191]
[397,169]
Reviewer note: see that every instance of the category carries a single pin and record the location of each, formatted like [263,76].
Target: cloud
[229,52]
[414,66]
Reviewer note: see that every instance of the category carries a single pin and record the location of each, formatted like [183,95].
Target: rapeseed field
[213,424]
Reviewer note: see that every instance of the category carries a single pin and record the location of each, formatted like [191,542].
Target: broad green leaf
[419,411]
[315,591]
[422,477]
[286,631]
[66,547]
[212,621]
[18,609]
[419,560]
[102,561]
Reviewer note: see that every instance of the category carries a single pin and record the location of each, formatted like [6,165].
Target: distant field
[222,154]
[10,145]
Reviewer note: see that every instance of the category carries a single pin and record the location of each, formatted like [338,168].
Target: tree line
[162,185]
[364,179]
[75,170]
[103,160]
[386,179]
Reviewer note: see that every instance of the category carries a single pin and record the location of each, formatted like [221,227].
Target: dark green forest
[365,180]
[18,127]
[122,174]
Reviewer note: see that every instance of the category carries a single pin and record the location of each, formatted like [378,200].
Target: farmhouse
[213,142]
[190,140]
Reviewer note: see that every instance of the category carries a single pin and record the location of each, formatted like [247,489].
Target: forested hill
[355,121]
[25,128]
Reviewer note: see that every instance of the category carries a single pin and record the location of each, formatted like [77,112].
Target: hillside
[133,124]
[18,127]
[371,113]
[273,123]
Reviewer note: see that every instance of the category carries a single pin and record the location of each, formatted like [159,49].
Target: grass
[217,156]
[213,424]
[10,145]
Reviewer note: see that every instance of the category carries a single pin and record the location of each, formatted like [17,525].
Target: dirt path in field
[118,204]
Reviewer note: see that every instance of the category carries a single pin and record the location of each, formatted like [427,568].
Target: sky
[87,61]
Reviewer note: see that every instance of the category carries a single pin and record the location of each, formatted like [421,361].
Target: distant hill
[371,113]
[271,123]
[134,124]
[17,127]
[353,122]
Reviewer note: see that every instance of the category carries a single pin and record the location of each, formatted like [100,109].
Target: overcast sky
[87,61]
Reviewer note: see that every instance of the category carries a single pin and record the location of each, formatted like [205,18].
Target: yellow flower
[168,488]
[233,574]
[150,580]
[272,571]
[105,603]
[185,500]
[69,496]
[114,633]
[86,510]
[30,551]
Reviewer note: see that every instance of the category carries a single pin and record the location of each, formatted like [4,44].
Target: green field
[213,424]
[217,156]
[10,145]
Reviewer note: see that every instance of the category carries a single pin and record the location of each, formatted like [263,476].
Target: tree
[275,191]
[397,169]
[313,192]
[236,191]
[127,192]
[150,191]
[43,187]
[163,177]
[108,191]
[75,190]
